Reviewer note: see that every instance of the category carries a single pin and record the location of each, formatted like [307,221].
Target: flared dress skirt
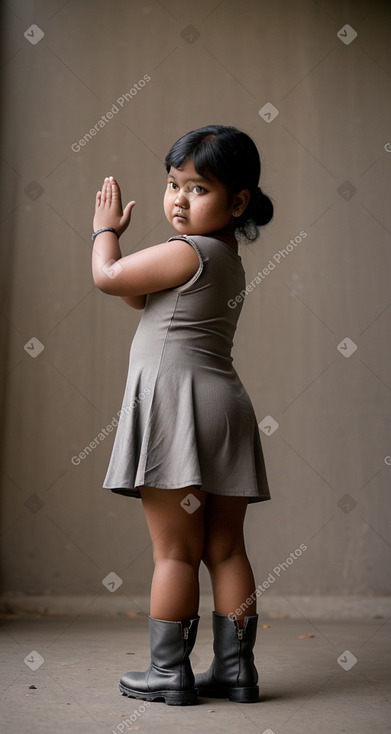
[186,419]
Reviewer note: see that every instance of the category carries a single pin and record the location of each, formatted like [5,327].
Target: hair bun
[262,207]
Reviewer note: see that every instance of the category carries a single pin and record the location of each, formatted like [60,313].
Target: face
[196,205]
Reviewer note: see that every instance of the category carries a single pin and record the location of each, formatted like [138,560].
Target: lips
[178,215]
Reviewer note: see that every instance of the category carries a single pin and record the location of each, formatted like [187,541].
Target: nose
[180,199]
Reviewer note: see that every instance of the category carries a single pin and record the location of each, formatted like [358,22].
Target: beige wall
[327,466]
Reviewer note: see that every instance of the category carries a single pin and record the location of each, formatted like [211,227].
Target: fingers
[128,209]
[110,190]
[115,189]
[106,191]
[109,206]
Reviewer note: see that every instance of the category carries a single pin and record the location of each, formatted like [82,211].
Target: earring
[236,213]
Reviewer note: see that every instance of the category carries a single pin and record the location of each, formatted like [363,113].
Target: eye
[198,189]
[172,186]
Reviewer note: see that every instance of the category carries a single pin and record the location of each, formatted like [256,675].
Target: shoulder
[202,244]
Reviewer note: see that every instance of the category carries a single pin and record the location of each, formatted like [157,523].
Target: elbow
[104,287]
[101,286]
[99,282]
[105,278]
[104,283]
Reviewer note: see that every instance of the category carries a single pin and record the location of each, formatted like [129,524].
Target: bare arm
[154,269]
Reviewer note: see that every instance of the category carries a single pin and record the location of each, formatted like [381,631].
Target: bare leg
[178,539]
[225,556]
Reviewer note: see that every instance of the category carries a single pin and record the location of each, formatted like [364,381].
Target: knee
[180,553]
[215,553]
[208,560]
[211,559]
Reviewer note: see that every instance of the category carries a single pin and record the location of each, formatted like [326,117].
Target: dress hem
[135,492]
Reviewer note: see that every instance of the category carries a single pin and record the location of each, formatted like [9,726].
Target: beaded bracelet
[104,229]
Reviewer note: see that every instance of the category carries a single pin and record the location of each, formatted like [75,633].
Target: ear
[240,202]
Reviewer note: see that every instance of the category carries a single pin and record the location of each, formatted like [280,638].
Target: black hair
[231,156]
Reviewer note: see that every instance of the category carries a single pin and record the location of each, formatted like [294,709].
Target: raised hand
[108,208]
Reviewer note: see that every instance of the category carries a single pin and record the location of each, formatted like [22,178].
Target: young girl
[187,441]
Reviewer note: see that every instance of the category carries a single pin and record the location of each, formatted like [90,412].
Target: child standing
[187,441]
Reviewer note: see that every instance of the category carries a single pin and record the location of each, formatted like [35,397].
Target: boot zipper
[185,633]
[240,633]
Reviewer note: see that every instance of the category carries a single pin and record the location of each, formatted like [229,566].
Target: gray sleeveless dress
[186,419]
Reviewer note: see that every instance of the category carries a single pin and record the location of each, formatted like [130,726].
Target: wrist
[104,229]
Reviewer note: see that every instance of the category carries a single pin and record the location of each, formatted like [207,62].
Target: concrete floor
[303,687]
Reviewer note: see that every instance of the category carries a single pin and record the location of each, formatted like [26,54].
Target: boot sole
[239,695]
[171,698]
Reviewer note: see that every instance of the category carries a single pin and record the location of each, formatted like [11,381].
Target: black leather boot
[169,677]
[232,673]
